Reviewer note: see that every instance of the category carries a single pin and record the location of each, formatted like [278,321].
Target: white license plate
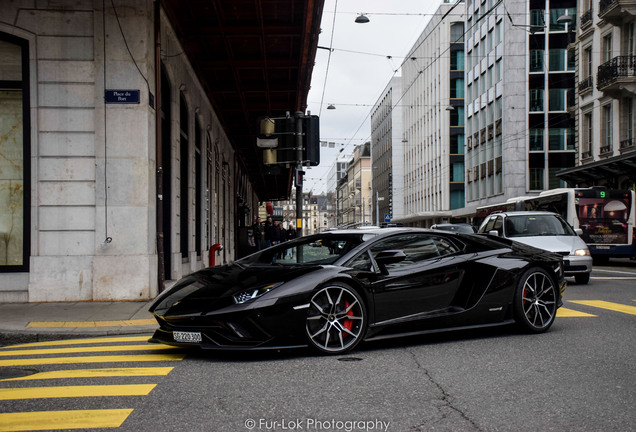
[603,247]
[190,337]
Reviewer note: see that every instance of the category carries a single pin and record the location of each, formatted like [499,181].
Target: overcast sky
[354,73]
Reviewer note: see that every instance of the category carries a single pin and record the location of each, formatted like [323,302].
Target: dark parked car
[361,285]
[456,227]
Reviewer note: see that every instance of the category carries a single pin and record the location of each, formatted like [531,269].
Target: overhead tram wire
[488,12]
[333,31]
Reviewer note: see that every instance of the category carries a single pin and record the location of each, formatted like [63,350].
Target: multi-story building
[519,132]
[606,91]
[354,190]
[387,153]
[433,119]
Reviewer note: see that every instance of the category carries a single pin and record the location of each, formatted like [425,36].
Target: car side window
[417,248]
[489,224]
[498,225]
[362,262]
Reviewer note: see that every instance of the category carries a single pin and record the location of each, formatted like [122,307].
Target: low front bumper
[271,327]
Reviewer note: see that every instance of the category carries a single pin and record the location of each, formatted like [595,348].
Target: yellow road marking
[76,391]
[110,348]
[117,323]
[81,341]
[92,359]
[95,373]
[617,307]
[569,313]
[51,420]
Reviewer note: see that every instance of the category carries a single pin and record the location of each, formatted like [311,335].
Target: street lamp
[362,19]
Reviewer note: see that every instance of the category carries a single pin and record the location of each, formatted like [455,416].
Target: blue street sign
[122,96]
[387,218]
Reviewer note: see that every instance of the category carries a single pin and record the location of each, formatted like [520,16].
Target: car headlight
[252,293]
[582,252]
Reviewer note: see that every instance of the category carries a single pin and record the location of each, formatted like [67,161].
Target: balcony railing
[627,143]
[604,5]
[586,18]
[586,84]
[618,67]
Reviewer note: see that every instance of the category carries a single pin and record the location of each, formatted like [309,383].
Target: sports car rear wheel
[535,301]
[336,319]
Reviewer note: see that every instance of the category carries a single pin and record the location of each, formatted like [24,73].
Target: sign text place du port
[122,96]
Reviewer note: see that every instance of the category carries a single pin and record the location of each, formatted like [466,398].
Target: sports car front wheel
[535,301]
[336,319]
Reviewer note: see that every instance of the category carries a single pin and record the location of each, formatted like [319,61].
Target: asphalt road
[579,376]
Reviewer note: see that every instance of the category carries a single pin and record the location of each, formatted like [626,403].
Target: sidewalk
[32,322]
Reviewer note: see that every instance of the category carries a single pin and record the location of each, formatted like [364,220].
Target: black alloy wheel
[535,301]
[336,319]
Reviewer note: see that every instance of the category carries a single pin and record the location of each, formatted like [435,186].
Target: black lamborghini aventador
[361,284]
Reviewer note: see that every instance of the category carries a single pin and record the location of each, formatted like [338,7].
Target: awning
[605,171]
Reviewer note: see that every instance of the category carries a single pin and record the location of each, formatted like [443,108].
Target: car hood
[558,244]
[213,287]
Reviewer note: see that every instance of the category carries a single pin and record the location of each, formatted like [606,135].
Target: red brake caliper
[348,323]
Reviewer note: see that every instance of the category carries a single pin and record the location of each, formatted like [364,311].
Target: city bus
[606,216]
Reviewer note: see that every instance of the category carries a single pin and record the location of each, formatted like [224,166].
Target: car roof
[526,213]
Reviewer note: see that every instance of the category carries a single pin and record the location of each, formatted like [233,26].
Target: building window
[587,63]
[606,128]
[457,116]
[536,18]
[536,139]
[457,144]
[606,48]
[536,100]
[457,199]
[555,25]
[457,60]
[586,133]
[536,60]
[14,155]
[536,179]
[627,122]
[457,88]
[554,181]
[561,139]
[558,99]
[457,172]
[558,60]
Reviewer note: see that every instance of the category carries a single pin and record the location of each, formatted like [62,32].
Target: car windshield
[537,225]
[306,250]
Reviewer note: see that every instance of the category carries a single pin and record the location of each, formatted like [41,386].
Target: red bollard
[215,247]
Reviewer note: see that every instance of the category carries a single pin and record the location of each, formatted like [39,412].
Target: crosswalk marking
[55,420]
[80,342]
[96,373]
[108,348]
[125,351]
[569,313]
[617,307]
[93,359]
[76,391]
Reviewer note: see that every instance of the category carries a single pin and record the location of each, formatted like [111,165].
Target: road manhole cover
[7,373]
[348,359]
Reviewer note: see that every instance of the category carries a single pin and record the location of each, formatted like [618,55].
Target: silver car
[547,231]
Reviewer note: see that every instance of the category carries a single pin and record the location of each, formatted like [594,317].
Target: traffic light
[277,136]
[311,140]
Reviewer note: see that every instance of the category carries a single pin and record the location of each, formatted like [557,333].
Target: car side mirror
[494,233]
[578,231]
[388,257]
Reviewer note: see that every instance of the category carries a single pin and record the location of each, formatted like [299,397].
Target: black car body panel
[262,301]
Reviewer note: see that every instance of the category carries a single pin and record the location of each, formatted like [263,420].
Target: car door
[424,283]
